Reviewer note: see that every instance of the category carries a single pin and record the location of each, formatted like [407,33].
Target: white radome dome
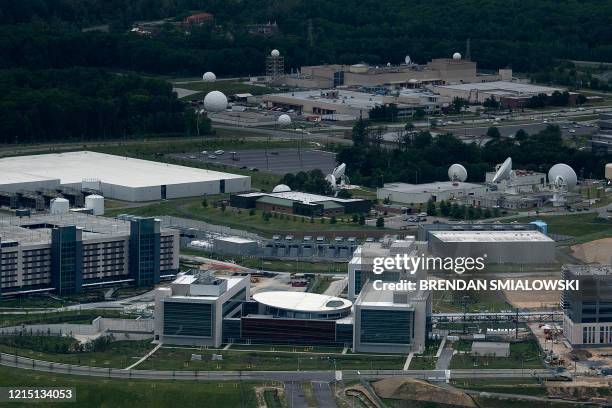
[284,120]
[407,60]
[281,188]
[275,53]
[215,101]
[456,56]
[209,77]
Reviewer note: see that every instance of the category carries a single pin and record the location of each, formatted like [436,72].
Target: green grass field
[476,301]
[320,284]
[31,301]
[423,363]
[525,355]
[523,386]
[117,393]
[180,359]
[120,354]
[583,227]
[77,316]
[240,218]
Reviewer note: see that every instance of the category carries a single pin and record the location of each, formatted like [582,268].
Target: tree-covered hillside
[525,34]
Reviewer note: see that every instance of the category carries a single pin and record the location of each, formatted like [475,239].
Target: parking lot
[279,161]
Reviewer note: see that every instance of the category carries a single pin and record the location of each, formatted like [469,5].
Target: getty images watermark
[458,265]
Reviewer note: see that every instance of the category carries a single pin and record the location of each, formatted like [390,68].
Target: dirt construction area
[416,390]
[598,251]
[526,299]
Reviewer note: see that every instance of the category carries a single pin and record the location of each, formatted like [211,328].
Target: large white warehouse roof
[491,236]
[118,175]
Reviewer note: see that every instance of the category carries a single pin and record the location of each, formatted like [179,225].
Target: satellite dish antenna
[457,172]
[331,179]
[564,174]
[563,179]
[504,171]
[407,60]
[215,101]
[339,171]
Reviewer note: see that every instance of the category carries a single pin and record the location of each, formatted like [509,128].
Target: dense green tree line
[312,181]
[527,35]
[422,158]
[86,104]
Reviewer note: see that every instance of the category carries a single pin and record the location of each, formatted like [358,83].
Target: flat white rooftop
[352,98]
[503,86]
[429,187]
[302,301]
[236,240]
[491,236]
[310,198]
[73,167]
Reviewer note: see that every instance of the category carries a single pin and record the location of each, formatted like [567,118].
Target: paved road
[294,394]
[511,129]
[283,376]
[275,160]
[324,394]
[445,358]
[337,286]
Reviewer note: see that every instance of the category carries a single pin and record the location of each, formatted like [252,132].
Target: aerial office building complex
[68,253]
[409,74]
[200,308]
[587,318]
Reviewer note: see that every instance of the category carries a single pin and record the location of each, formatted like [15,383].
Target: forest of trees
[55,77]
[420,158]
[312,181]
[527,35]
[87,104]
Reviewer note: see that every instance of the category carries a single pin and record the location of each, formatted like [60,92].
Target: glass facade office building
[145,251]
[66,260]
[386,326]
[188,319]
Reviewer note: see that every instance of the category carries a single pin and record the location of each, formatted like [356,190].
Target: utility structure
[275,64]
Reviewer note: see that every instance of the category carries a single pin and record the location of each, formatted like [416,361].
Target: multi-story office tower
[588,310]
[391,321]
[387,319]
[192,310]
[71,252]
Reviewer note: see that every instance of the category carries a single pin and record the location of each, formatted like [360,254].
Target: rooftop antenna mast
[468,51]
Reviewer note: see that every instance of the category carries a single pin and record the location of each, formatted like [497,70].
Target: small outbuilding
[490,349]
